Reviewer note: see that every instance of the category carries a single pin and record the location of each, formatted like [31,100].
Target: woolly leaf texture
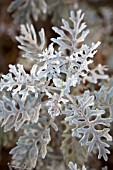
[31,102]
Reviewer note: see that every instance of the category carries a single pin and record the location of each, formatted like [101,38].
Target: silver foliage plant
[26,9]
[74,167]
[31,102]
[22,10]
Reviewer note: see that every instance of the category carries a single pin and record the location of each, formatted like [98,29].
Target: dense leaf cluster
[31,102]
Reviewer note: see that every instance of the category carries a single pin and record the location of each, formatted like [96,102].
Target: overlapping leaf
[28,41]
[14,112]
[75,35]
[86,120]
[79,56]
[29,147]
[104,98]
[18,81]
[22,10]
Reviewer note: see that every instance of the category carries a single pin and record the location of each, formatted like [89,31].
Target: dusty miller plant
[22,10]
[31,102]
